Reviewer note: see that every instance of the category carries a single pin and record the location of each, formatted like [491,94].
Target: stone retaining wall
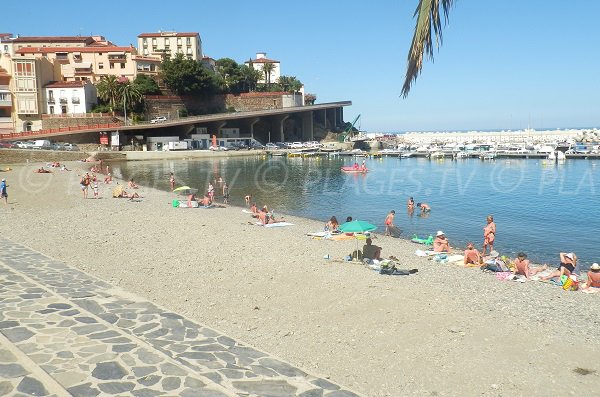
[17,156]
[62,122]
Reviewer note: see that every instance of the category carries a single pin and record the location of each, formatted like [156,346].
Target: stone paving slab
[94,339]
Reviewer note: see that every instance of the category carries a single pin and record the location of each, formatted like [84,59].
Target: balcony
[75,100]
[5,101]
[51,100]
[64,101]
[62,57]
[4,88]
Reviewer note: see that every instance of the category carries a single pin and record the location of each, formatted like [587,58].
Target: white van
[42,144]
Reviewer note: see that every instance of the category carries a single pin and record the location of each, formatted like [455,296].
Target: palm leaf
[427,14]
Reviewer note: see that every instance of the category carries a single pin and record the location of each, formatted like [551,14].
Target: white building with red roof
[70,97]
[259,64]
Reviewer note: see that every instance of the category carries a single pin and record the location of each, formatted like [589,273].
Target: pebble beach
[445,331]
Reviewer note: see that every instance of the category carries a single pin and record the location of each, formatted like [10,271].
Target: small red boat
[352,169]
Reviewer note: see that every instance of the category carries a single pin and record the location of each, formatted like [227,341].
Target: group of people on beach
[521,266]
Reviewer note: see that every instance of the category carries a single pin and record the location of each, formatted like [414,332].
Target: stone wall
[62,122]
[157,105]
[17,156]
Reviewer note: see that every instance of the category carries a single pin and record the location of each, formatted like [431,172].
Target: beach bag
[570,283]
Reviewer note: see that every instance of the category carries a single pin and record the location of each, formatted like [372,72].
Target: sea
[540,207]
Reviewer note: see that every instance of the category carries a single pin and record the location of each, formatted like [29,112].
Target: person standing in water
[489,235]
[172,181]
[389,223]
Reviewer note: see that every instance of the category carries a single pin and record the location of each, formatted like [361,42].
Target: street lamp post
[125,108]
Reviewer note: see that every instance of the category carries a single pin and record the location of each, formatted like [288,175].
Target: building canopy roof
[50,50]
[170,34]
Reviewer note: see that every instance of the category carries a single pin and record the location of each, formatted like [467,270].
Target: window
[63,109]
[100,65]
[188,41]
[27,126]
[154,41]
[145,51]
[179,41]
[111,65]
[51,109]
[145,41]
[154,48]
[50,95]
[122,66]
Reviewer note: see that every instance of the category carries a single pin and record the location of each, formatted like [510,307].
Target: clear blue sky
[503,62]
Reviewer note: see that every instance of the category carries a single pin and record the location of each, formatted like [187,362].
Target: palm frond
[428,16]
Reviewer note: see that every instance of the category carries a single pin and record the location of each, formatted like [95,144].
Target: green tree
[289,83]
[231,75]
[428,18]
[187,76]
[146,85]
[267,69]
[108,91]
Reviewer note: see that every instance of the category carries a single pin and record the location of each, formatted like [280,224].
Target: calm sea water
[539,207]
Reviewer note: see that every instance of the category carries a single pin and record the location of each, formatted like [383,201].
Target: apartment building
[29,75]
[168,44]
[6,124]
[70,97]
[85,63]
[259,62]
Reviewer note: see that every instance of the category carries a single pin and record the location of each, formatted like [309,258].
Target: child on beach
[172,181]
[95,189]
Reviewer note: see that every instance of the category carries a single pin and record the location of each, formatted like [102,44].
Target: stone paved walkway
[66,333]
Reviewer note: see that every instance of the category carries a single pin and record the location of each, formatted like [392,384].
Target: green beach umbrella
[356,227]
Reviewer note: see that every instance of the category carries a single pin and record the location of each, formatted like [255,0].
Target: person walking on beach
[172,181]
[84,183]
[489,234]
[568,262]
[225,193]
[3,193]
[389,223]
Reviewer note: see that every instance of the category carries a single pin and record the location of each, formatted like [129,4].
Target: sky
[503,65]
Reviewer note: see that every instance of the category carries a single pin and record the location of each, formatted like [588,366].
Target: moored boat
[350,168]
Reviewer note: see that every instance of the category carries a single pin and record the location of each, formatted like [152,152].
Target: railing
[4,87]
[119,58]
[51,100]
[62,57]
[74,100]
[64,101]
[76,115]
[51,131]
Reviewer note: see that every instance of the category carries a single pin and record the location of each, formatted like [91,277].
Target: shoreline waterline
[272,288]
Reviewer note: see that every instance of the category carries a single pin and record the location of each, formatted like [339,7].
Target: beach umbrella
[185,190]
[357,227]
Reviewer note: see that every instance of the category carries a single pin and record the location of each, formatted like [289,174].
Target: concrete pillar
[250,124]
[277,124]
[307,126]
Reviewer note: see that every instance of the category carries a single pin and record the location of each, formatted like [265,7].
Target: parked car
[271,146]
[281,145]
[42,144]
[296,145]
[71,147]
[24,144]
[312,144]
[58,146]
[257,146]
[158,119]
[6,145]
[238,146]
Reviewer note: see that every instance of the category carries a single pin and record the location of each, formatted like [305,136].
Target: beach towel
[278,224]
[247,212]
[456,258]
[341,237]
[319,234]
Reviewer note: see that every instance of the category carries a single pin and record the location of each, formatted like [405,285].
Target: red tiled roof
[47,50]
[169,34]
[5,35]
[263,60]
[56,39]
[65,84]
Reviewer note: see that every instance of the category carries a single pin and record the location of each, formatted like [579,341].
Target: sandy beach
[444,331]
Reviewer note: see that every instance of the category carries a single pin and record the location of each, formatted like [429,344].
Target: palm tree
[108,90]
[250,77]
[268,68]
[129,94]
[428,16]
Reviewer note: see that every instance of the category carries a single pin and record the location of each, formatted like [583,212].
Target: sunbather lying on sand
[42,171]
[522,266]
